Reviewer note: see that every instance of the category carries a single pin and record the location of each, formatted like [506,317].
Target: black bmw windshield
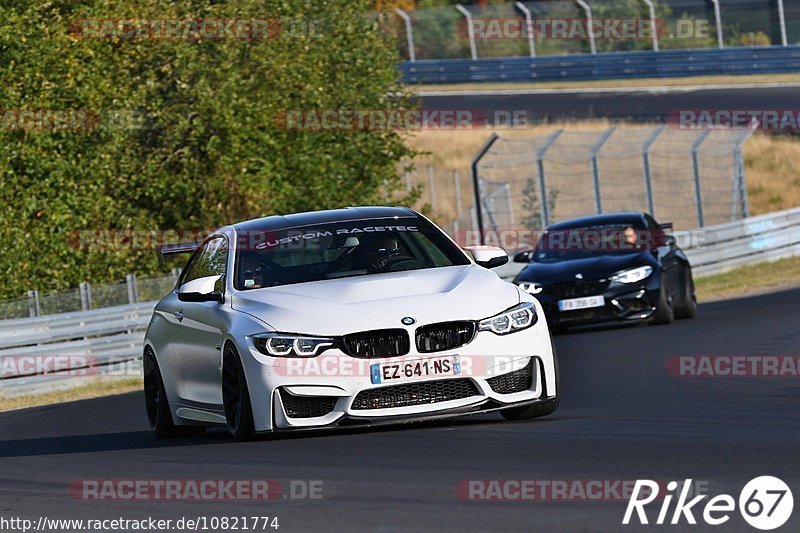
[269,258]
[581,243]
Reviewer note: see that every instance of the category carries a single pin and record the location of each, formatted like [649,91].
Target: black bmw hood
[593,267]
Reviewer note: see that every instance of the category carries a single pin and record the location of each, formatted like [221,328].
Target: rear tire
[156,404]
[665,314]
[688,305]
[236,396]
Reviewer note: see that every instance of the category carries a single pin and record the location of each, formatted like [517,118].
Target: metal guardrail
[611,65]
[38,354]
[751,240]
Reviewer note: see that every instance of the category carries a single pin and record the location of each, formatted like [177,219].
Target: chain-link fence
[88,296]
[690,178]
[556,27]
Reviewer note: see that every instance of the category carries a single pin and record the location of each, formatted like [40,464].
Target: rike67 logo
[765,503]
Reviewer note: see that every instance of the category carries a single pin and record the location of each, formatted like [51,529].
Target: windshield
[580,243]
[271,258]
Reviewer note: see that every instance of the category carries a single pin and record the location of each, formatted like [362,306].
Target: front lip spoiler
[488,405]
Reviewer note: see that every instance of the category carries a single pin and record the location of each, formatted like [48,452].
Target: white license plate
[412,370]
[581,303]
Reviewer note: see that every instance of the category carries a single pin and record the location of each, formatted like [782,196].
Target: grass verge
[90,390]
[750,280]
[755,79]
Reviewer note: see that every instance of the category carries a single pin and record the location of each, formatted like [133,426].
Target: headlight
[515,319]
[633,275]
[531,287]
[291,345]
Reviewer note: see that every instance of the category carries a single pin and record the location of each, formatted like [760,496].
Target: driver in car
[380,250]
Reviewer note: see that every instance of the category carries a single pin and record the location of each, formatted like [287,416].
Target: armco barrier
[612,65]
[108,337]
[751,240]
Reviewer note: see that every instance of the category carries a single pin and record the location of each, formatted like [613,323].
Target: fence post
[529,26]
[470,31]
[86,295]
[698,191]
[133,290]
[739,170]
[457,188]
[718,23]
[542,185]
[476,184]
[648,178]
[409,33]
[652,8]
[34,309]
[432,187]
[589,25]
[782,21]
[596,147]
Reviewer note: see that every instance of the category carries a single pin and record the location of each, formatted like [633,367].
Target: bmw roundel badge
[407,320]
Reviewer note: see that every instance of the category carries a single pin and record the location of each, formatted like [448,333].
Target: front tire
[688,306]
[236,396]
[665,313]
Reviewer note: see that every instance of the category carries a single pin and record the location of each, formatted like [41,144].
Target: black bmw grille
[377,343]
[516,381]
[307,406]
[444,336]
[421,393]
[579,288]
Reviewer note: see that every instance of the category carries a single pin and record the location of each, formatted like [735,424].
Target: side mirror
[201,290]
[488,256]
[523,257]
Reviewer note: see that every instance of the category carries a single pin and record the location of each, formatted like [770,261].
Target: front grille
[516,381]
[377,343]
[306,406]
[421,393]
[444,336]
[579,288]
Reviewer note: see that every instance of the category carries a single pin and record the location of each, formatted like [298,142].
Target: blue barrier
[612,65]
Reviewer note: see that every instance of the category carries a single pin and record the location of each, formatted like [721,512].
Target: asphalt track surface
[622,416]
[647,104]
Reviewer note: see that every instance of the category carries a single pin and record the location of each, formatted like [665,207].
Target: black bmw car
[618,267]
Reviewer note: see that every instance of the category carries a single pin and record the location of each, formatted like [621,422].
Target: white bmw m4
[355,316]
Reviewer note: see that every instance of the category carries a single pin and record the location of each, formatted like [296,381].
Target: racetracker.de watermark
[196,489]
[735,119]
[75,120]
[734,366]
[195,29]
[549,490]
[600,240]
[560,29]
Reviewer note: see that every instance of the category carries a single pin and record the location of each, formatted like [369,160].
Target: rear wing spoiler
[180,248]
[667,226]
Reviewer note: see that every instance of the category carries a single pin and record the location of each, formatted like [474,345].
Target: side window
[211,260]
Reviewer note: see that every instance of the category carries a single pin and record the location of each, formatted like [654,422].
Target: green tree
[205,147]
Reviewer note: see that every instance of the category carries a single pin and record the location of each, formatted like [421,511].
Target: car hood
[340,306]
[595,267]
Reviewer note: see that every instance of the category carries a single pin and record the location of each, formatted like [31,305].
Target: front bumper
[623,303]
[286,398]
